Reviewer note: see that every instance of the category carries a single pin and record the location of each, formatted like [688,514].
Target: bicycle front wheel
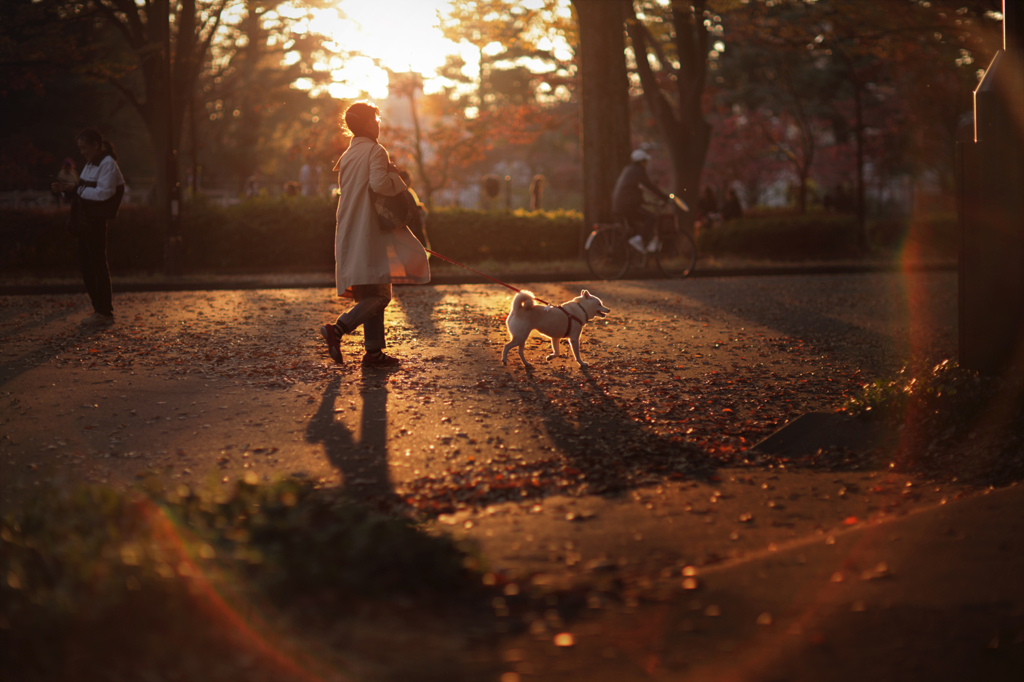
[608,252]
[678,252]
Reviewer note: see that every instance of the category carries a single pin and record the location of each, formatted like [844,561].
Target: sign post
[990,173]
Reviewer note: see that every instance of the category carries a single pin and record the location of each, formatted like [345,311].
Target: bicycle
[610,255]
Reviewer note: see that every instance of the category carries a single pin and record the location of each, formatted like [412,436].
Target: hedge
[934,234]
[296,234]
[783,235]
[290,234]
[815,235]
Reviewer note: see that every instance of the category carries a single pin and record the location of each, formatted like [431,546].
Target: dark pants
[92,259]
[641,220]
[371,300]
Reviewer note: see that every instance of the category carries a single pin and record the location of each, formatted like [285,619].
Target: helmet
[640,155]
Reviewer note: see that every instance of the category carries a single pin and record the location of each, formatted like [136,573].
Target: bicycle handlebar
[679,202]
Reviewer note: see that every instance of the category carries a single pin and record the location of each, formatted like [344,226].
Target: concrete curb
[246,282]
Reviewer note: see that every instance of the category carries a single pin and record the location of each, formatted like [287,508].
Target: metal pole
[990,171]
[1013,26]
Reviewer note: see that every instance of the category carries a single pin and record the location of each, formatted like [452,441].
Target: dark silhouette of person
[732,208]
[708,203]
[536,192]
[628,200]
[95,199]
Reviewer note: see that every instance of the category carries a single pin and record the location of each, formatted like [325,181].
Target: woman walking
[368,260]
[95,199]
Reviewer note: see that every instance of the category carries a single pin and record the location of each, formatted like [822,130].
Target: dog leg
[518,344]
[574,343]
[554,349]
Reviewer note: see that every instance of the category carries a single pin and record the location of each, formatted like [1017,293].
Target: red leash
[496,281]
[504,284]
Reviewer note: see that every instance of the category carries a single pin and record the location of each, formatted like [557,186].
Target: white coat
[363,253]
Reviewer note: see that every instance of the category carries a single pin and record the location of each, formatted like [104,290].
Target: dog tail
[524,300]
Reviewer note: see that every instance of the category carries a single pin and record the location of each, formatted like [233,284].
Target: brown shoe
[379,358]
[330,335]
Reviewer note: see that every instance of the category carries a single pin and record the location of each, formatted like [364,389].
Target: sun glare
[402,35]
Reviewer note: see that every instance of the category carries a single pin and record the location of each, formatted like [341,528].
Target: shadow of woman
[361,459]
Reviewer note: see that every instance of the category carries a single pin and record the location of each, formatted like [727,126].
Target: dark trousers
[641,220]
[371,300]
[92,259]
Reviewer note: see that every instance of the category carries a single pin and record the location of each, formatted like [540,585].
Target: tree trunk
[604,105]
[688,163]
[428,186]
[801,201]
[194,144]
[250,119]
[168,78]
[859,136]
[683,130]
[161,122]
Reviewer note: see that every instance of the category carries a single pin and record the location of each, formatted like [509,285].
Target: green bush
[287,234]
[141,578]
[296,234]
[474,236]
[944,388]
[36,240]
[936,234]
[953,422]
[784,237]
[265,234]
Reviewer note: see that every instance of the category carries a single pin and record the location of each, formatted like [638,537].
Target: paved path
[936,594]
[623,473]
[234,381]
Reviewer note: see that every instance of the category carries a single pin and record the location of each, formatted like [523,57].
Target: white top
[107,177]
[363,253]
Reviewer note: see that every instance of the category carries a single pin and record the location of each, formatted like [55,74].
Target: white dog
[554,322]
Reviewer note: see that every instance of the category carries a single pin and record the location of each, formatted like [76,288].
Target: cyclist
[628,201]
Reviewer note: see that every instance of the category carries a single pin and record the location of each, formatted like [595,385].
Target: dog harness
[570,317]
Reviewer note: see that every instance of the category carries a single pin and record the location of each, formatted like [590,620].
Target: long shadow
[53,346]
[614,451]
[362,459]
[901,314]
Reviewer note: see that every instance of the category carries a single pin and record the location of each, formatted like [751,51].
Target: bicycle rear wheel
[678,252]
[608,252]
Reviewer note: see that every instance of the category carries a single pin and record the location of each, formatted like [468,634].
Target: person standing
[367,259]
[95,199]
[733,209]
[708,204]
[254,184]
[537,192]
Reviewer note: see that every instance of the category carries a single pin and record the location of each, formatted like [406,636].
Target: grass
[174,583]
[954,423]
